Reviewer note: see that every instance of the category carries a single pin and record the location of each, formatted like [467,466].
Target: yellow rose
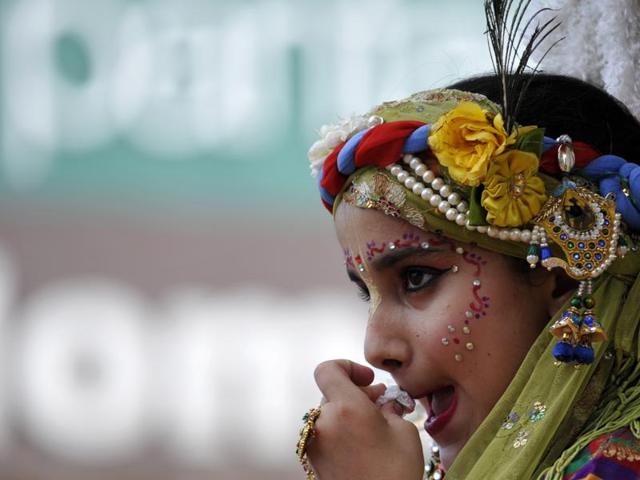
[513,194]
[465,140]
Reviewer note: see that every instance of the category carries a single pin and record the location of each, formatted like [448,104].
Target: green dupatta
[548,413]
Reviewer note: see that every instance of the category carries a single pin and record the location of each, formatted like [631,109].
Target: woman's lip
[436,423]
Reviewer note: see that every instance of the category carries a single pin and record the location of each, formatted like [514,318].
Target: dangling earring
[586,227]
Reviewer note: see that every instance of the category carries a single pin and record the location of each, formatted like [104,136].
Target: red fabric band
[380,146]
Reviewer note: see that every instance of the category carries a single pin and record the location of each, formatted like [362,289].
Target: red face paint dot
[456,340]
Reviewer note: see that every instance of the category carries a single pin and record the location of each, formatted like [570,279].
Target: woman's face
[451,322]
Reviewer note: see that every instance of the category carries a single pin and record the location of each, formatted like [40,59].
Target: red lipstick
[435,423]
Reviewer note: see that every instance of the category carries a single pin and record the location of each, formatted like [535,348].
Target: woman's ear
[564,288]
[556,287]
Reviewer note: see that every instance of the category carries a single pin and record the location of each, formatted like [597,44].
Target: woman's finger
[374,391]
[392,410]
[340,379]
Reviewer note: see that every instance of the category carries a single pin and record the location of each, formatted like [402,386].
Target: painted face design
[478,306]
[374,249]
[435,309]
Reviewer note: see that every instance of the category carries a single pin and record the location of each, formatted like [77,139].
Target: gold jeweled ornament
[586,228]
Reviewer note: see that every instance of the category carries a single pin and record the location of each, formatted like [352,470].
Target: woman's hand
[355,439]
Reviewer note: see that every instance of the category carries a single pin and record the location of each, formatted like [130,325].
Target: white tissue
[393,392]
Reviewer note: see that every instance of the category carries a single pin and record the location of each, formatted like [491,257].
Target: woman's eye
[416,278]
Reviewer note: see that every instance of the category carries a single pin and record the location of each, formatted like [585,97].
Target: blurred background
[168,277]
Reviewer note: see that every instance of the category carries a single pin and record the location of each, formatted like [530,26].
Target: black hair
[566,105]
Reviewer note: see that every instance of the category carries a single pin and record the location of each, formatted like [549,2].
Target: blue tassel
[584,354]
[563,351]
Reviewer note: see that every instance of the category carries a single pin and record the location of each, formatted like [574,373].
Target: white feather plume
[601,46]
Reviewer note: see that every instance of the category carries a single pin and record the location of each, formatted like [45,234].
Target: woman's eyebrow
[390,258]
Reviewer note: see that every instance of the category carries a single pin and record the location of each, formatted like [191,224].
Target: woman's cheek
[465,321]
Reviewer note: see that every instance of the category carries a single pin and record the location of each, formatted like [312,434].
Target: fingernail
[399,409]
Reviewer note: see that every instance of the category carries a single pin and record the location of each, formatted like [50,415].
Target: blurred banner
[168,277]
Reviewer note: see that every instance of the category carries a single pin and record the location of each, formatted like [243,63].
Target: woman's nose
[385,346]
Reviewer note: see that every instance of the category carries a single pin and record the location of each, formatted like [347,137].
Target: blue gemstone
[589,266]
[606,222]
[563,236]
[588,319]
[576,256]
[598,256]
[581,245]
[545,253]
[601,243]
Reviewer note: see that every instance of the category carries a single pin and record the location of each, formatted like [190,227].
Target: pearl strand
[433,189]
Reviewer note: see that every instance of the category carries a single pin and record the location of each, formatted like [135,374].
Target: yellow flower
[465,140]
[513,194]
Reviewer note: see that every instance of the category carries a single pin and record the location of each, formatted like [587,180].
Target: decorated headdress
[457,164]
[462,159]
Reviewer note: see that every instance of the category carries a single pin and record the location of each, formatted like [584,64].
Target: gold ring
[307,432]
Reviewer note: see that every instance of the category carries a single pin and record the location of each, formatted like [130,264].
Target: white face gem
[392,246]
[469,346]
[468,314]
[459,250]
[466,330]
[425,245]
[445,341]
[458,357]
[455,268]
[476,282]
[361,268]
[451,328]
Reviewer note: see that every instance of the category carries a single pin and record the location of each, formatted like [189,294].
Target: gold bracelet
[307,432]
